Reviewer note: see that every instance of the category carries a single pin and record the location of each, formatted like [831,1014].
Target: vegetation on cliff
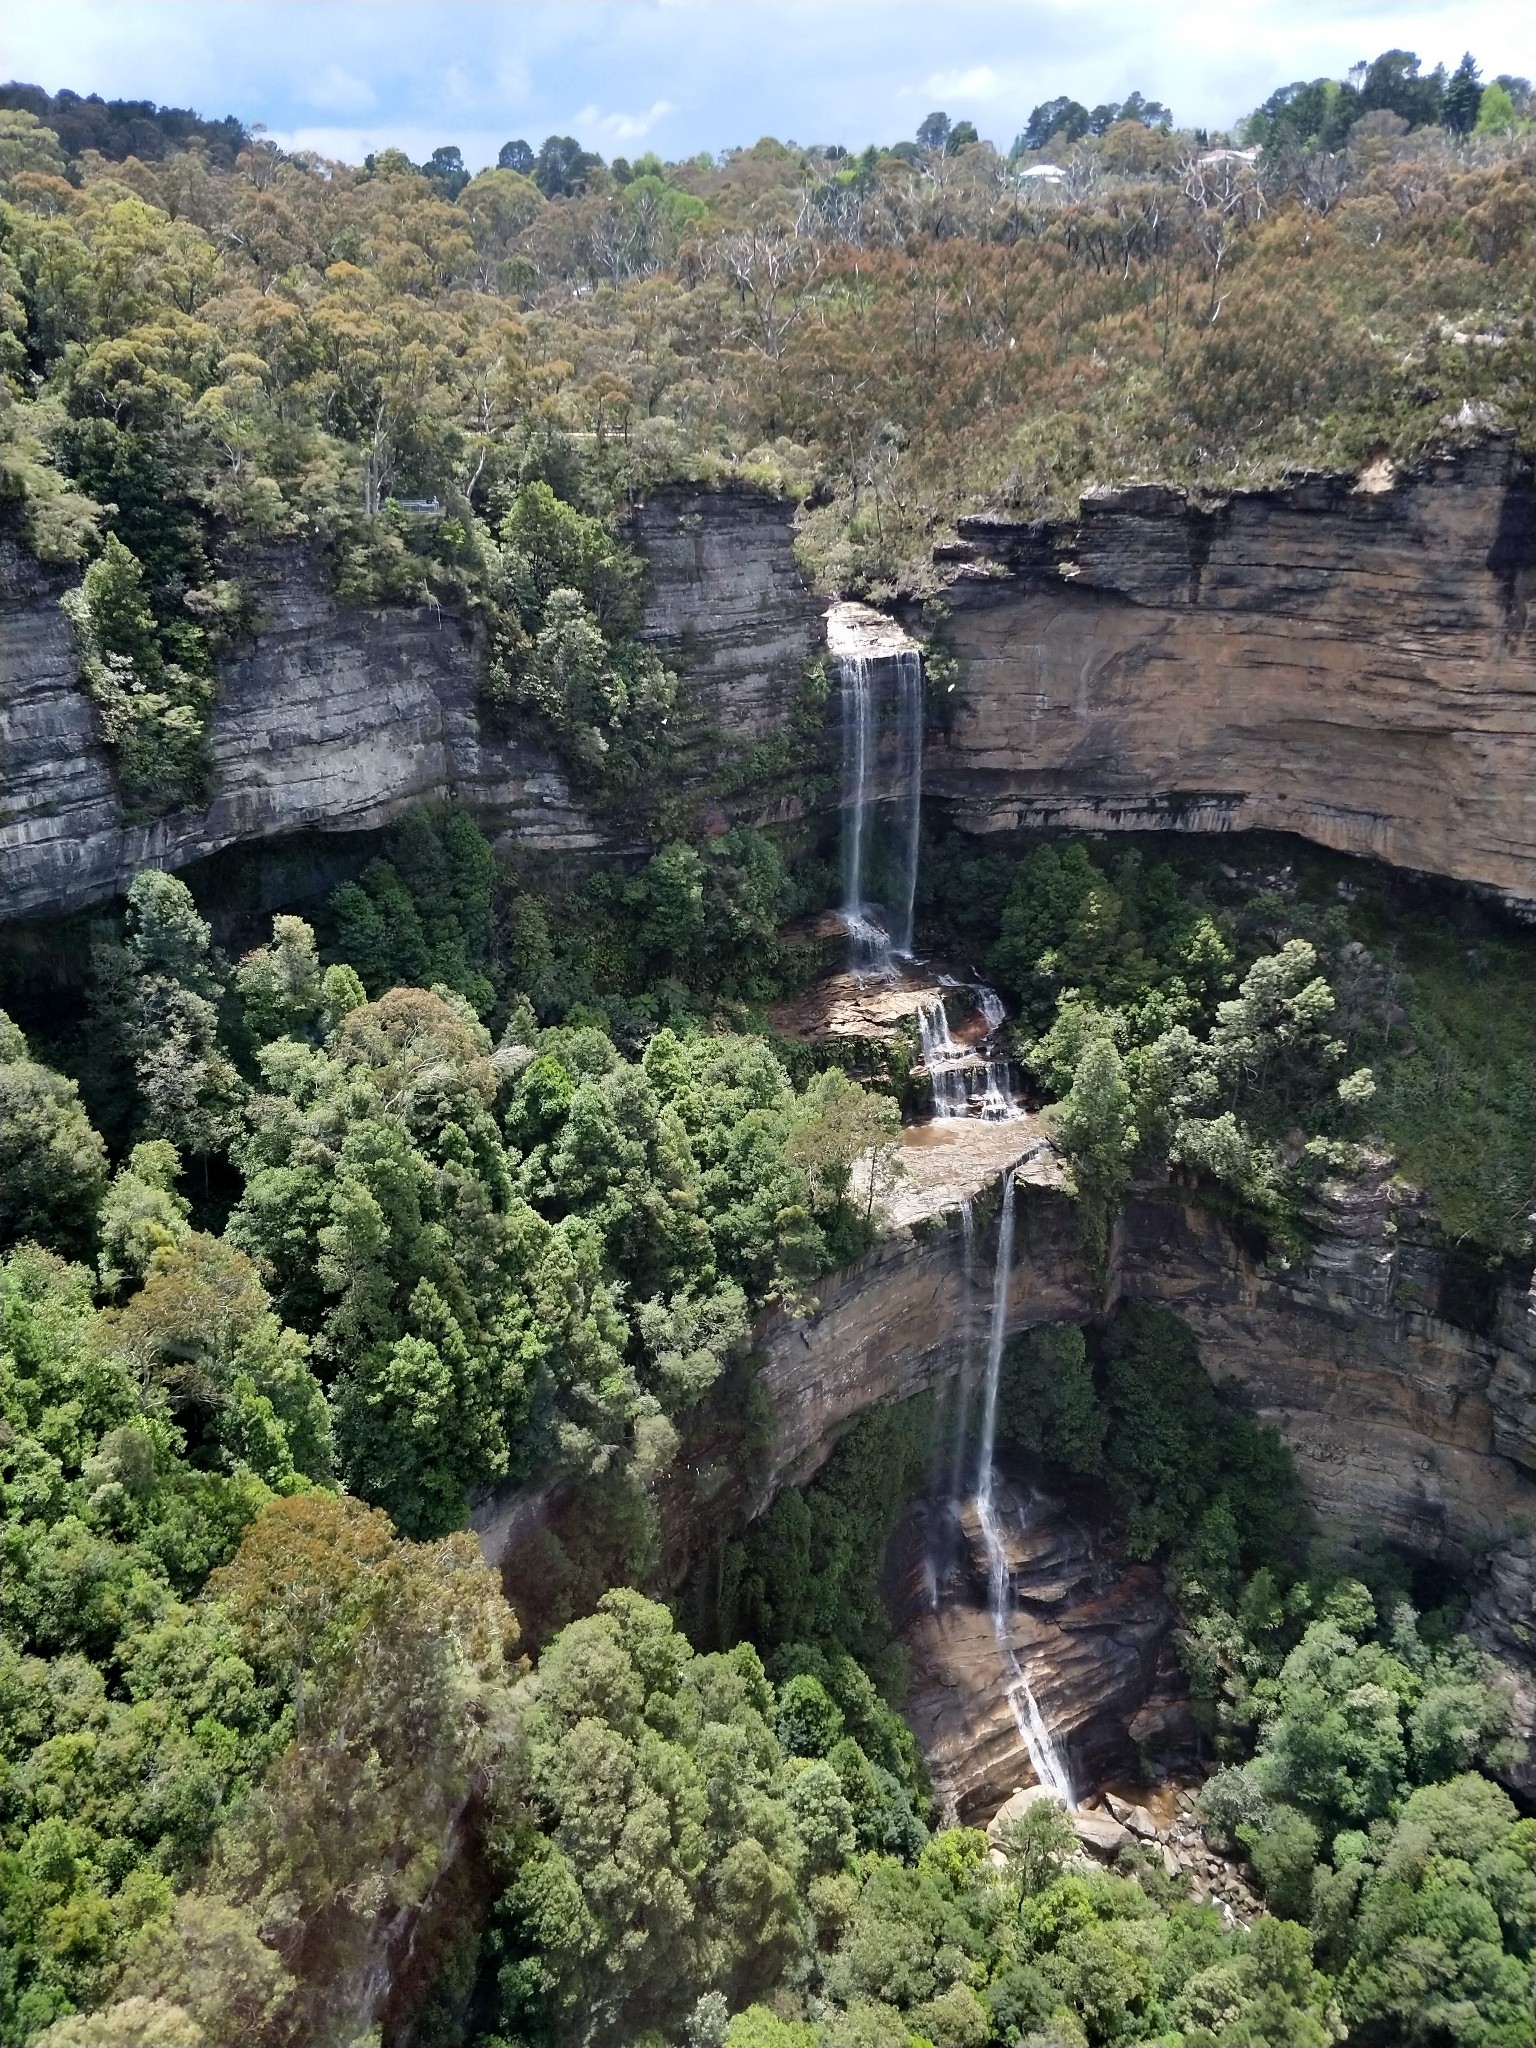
[350,1238]
[1261,1030]
[207,344]
[453,1191]
[302,1255]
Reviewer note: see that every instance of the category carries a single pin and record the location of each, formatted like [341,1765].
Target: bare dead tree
[1224,191]
[773,273]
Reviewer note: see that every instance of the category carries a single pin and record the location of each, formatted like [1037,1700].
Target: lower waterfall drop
[967,1353]
[1049,1767]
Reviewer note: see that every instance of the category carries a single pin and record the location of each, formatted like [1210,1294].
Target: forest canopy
[223,341]
[456,1185]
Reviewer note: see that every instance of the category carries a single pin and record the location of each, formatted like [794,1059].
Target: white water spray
[997,1104]
[990,1004]
[945,1060]
[874,945]
[951,1066]
[871,942]
[1049,1767]
[967,1350]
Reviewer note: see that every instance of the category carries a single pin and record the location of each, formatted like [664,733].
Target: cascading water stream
[871,944]
[875,946]
[951,1066]
[1049,1768]
[967,1351]
[945,1060]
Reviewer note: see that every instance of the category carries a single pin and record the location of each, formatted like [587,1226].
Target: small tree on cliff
[1099,1136]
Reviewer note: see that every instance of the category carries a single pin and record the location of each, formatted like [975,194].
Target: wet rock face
[1356,665]
[901,1319]
[1404,1425]
[1091,1633]
[338,718]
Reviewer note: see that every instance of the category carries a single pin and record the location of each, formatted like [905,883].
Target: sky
[678,76]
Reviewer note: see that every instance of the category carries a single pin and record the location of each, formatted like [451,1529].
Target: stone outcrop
[331,718]
[338,719]
[728,609]
[1405,1425]
[1353,661]
[1091,1632]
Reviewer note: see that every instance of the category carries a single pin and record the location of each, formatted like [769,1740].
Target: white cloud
[351,145]
[980,83]
[685,75]
[621,127]
[338,92]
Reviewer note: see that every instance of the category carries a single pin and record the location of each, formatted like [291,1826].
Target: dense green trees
[1362,1817]
[444,1259]
[130,1718]
[667,1854]
[248,1716]
[221,342]
[450,1189]
[153,711]
[53,1164]
[1188,1017]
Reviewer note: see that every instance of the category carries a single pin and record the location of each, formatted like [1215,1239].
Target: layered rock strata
[332,718]
[729,610]
[338,718]
[1405,1427]
[1350,660]
[1092,1632]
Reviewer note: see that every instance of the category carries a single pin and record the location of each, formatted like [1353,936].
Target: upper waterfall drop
[880,696]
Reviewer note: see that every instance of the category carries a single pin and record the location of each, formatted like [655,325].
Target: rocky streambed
[1162,1821]
[1091,1631]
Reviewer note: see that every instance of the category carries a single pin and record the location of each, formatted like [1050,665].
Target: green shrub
[154,710]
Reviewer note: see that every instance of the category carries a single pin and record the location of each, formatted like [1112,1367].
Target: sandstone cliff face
[728,609]
[333,719]
[340,718]
[1357,665]
[1404,1425]
[1092,1632]
[1354,665]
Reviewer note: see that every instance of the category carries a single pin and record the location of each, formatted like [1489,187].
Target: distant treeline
[1317,112]
[119,129]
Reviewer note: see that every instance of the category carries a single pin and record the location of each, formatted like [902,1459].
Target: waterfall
[871,943]
[874,944]
[997,1104]
[1048,1766]
[967,1348]
[944,1060]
